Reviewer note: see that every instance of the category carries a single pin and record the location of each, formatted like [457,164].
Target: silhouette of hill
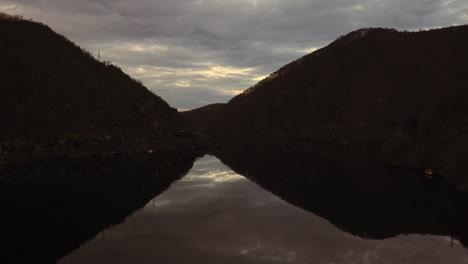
[407,91]
[364,85]
[200,118]
[53,88]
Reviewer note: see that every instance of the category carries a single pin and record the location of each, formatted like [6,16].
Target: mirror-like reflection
[214,215]
[51,207]
[352,189]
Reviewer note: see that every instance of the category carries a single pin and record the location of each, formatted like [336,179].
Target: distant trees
[8,17]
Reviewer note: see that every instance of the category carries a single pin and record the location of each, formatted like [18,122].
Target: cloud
[195,52]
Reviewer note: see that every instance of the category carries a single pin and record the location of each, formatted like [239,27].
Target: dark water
[214,215]
[241,203]
[49,208]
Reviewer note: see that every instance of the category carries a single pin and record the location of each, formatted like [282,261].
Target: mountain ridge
[53,88]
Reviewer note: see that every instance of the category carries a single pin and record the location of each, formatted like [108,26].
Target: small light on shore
[428,173]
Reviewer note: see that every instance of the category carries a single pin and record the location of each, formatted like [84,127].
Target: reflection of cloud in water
[236,221]
[215,176]
[159,203]
[209,171]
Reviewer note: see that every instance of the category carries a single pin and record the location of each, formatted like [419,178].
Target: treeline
[8,17]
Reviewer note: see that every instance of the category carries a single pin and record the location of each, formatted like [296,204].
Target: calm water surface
[214,215]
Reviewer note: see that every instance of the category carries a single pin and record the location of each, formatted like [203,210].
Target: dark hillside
[52,88]
[364,86]
[202,118]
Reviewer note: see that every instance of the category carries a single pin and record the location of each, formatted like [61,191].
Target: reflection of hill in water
[358,194]
[52,207]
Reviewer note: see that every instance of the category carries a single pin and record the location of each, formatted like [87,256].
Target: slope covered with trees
[364,85]
[52,88]
[201,118]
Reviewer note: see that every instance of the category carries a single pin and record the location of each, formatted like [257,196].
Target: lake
[215,215]
[237,202]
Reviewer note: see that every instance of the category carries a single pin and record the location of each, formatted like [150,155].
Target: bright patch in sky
[6,8]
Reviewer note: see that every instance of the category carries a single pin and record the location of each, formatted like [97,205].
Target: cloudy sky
[197,52]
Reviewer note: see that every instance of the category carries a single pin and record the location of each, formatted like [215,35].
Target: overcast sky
[197,52]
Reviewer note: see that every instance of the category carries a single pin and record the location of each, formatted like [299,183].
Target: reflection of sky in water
[210,171]
[214,215]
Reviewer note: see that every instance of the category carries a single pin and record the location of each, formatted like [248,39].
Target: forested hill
[365,85]
[50,87]
[200,119]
